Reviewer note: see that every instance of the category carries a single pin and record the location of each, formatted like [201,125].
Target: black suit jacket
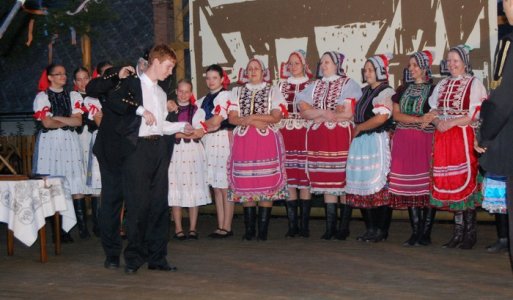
[496,132]
[118,131]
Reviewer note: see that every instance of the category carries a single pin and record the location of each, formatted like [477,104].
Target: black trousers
[145,184]
[110,209]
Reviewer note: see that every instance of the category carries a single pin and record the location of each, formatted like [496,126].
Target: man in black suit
[107,149]
[496,133]
[136,152]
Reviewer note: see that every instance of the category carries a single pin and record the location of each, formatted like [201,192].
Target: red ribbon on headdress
[192,100]
[80,106]
[384,58]
[284,110]
[226,80]
[95,74]
[429,55]
[44,83]
[41,115]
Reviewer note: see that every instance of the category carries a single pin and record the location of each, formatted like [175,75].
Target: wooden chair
[6,152]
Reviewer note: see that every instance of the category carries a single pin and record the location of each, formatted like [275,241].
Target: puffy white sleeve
[351,93]
[76,103]
[277,100]
[222,103]
[382,103]
[234,95]
[42,106]
[198,118]
[477,95]
[306,95]
[433,99]
[93,106]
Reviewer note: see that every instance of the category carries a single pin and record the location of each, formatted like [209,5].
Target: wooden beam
[179,45]
[179,39]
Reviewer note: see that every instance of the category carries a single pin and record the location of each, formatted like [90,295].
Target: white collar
[297,80]
[331,78]
[256,87]
[213,92]
[147,81]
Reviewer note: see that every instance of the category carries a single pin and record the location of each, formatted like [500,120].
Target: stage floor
[277,269]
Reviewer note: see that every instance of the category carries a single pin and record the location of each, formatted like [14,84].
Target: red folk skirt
[454,170]
[327,150]
[410,175]
[295,157]
[256,169]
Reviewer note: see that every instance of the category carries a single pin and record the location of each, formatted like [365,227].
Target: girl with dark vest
[58,151]
[412,143]
[368,163]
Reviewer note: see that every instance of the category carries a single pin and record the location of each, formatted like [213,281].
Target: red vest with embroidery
[290,91]
[326,93]
[454,96]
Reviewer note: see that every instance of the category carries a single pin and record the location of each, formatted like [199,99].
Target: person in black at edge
[134,159]
[496,132]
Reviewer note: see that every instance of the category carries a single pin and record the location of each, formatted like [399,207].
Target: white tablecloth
[25,204]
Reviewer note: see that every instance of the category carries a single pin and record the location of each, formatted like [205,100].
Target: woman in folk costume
[58,151]
[368,163]
[187,172]
[217,142]
[93,180]
[457,101]
[293,127]
[412,145]
[328,102]
[494,201]
[256,168]
[80,80]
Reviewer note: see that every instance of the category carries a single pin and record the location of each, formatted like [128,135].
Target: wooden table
[24,205]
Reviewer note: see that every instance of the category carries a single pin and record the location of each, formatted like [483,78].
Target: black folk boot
[331,221]
[249,223]
[264,216]
[304,227]
[370,229]
[346,212]
[459,227]
[427,221]
[95,205]
[381,217]
[81,213]
[292,216]
[501,245]
[414,214]
[470,233]
[384,221]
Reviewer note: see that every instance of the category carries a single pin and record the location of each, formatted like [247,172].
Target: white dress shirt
[154,101]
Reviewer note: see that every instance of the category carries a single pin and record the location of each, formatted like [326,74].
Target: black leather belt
[151,137]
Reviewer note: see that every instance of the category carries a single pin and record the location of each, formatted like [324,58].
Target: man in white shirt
[142,104]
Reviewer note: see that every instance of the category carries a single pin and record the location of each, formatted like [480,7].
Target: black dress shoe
[166,267]
[130,270]
[111,262]
[179,236]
